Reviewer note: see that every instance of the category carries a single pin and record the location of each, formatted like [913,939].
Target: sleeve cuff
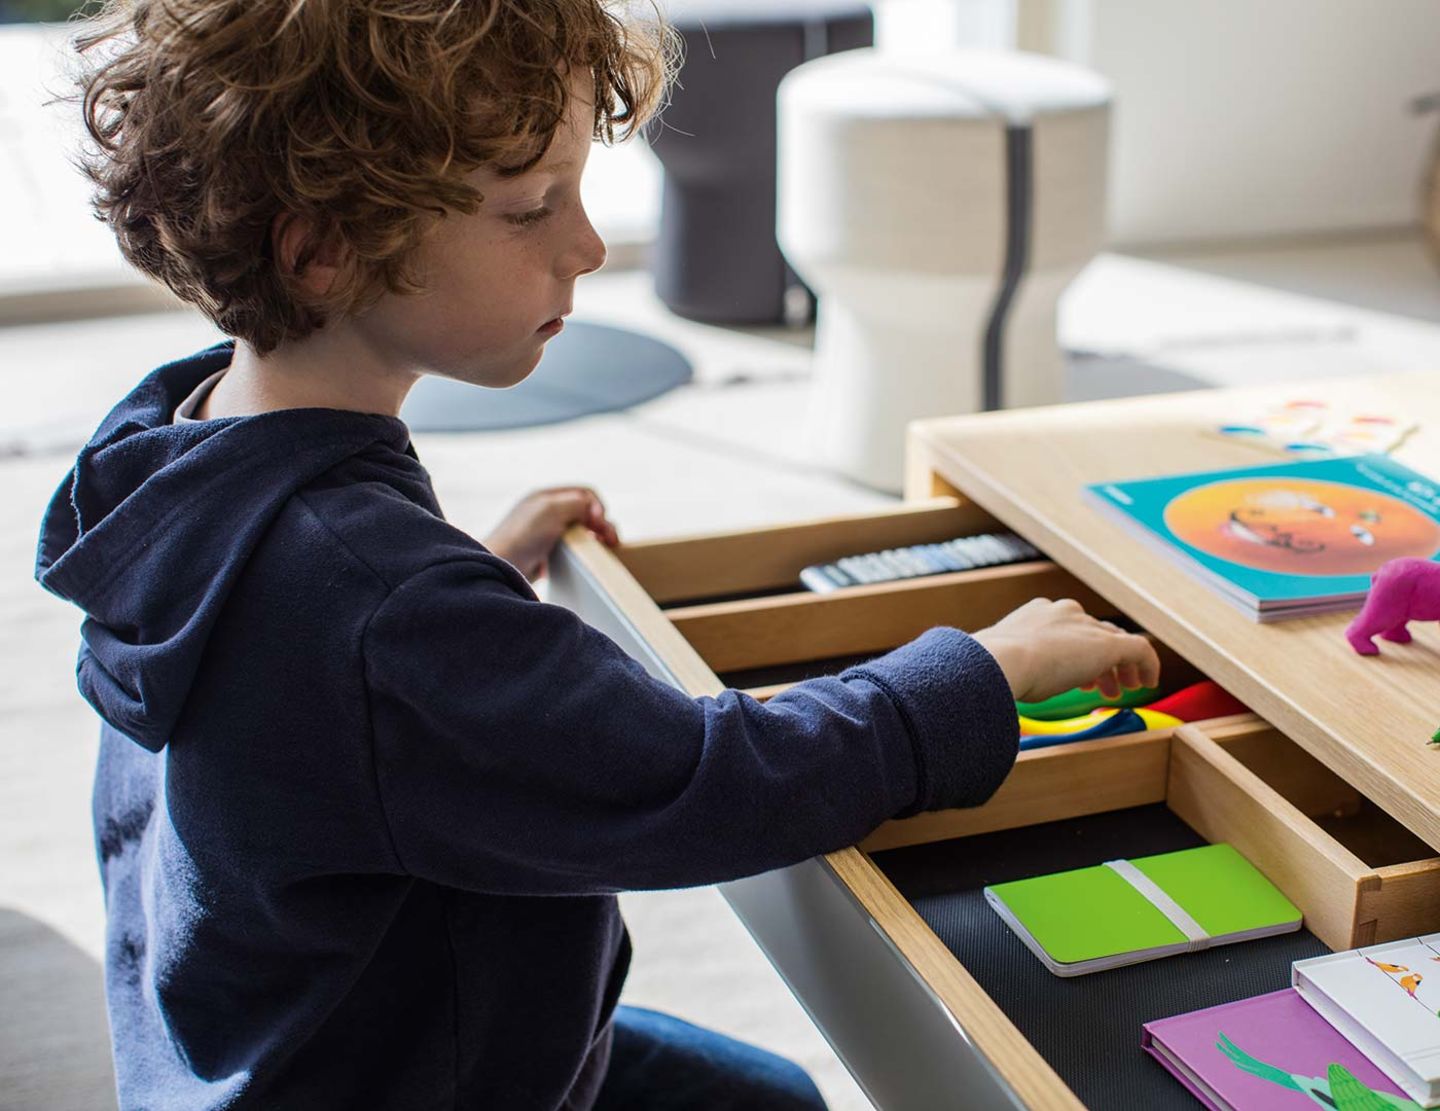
[956,704]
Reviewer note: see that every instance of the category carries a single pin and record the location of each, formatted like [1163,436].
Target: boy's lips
[554,324]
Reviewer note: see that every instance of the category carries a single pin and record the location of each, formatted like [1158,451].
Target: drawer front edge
[898,1040]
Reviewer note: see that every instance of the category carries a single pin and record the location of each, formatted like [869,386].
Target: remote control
[965,553]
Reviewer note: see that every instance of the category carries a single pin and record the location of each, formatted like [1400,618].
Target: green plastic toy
[1075,703]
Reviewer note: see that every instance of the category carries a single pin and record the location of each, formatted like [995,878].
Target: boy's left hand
[530,531]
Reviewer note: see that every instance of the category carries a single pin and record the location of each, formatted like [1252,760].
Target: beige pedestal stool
[938,205]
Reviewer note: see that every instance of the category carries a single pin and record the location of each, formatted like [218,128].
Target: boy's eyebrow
[539,169]
[513,173]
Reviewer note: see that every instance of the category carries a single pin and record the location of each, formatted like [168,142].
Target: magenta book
[1270,1053]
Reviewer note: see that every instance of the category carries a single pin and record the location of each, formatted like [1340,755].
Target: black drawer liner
[1087,1027]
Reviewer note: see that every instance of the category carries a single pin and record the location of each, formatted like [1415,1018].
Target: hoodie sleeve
[518,750]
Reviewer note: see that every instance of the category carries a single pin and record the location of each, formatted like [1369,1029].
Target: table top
[1367,718]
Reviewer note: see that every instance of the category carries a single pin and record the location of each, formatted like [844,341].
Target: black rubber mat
[1087,1027]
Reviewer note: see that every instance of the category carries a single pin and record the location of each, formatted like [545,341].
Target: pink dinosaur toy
[1402,590]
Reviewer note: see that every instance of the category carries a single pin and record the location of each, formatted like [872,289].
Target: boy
[362,801]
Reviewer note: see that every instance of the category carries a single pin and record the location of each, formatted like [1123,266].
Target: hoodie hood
[150,530]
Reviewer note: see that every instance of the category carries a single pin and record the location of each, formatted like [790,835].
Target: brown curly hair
[212,118]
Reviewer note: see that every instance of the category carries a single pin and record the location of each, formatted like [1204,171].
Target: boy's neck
[329,369]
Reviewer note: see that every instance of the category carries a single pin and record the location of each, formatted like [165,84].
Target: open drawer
[921,990]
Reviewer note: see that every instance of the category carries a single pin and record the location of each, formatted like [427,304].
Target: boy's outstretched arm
[518,750]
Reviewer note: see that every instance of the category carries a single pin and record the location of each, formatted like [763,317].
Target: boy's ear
[301,251]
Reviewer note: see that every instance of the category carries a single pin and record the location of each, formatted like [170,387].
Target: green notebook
[1127,911]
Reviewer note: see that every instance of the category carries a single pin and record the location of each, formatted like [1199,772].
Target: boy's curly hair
[211,118]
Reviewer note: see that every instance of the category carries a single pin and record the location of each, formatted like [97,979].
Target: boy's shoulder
[389,521]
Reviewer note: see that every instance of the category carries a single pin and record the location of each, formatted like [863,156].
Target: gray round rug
[587,368]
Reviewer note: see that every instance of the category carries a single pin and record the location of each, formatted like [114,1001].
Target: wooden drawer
[1360,877]
[916,1024]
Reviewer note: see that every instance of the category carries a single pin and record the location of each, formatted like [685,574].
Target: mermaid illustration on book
[1338,1090]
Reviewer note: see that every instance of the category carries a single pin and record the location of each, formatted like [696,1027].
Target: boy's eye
[525,219]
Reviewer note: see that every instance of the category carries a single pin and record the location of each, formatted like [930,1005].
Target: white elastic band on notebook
[1193,931]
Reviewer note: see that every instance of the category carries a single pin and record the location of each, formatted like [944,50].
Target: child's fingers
[605,532]
[1147,662]
[599,524]
[580,505]
[1133,657]
[571,506]
[593,511]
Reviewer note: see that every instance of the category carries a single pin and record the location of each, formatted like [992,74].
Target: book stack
[1357,1031]
[1283,540]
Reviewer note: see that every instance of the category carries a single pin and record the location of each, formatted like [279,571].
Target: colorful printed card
[1287,539]
[1309,429]
[1269,1053]
[1385,999]
[1127,911]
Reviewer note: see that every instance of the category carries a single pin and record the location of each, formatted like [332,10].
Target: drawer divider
[788,628]
[749,560]
[1222,800]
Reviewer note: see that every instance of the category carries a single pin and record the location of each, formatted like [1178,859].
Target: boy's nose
[587,254]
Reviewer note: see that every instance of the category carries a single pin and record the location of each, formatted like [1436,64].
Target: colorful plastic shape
[1093,726]
[1206,699]
[1073,703]
[1198,701]
[1042,723]
[1403,590]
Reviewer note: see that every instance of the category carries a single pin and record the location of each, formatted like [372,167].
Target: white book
[1386,1000]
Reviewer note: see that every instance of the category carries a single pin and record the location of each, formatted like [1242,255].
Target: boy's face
[497,281]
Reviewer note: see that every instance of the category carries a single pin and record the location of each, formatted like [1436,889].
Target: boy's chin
[506,379]
[499,377]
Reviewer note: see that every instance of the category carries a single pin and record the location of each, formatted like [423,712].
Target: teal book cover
[1303,536]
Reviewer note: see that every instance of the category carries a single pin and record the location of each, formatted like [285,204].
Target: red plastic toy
[1198,701]
[1400,591]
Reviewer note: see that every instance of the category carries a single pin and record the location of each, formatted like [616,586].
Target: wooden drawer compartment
[1058,1042]
[755,633]
[921,1019]
[764,560]
[736,599]
[1360,877]
[1357,875]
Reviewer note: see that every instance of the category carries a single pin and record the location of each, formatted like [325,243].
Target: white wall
[917,25]
[1251,118]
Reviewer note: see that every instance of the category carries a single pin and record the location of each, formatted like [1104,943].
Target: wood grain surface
[1366,718]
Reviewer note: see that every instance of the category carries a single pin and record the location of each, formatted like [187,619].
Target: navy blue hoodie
[363,802]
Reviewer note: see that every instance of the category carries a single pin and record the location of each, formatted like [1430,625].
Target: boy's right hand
[1045,648]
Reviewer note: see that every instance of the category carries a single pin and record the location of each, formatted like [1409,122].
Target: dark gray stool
[715,259]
